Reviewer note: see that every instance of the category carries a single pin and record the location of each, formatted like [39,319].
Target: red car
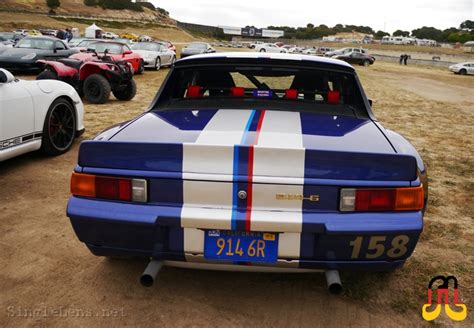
[118,52]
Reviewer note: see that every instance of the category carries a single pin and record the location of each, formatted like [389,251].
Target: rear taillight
[381,199]
[124,189]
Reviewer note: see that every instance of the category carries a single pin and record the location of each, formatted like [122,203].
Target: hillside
[77,7]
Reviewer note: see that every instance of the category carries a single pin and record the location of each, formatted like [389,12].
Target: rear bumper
[324,242]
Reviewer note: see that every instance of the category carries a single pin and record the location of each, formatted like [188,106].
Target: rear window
[263,86]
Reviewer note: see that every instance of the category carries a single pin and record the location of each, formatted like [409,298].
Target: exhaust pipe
[149,275]
[334,281]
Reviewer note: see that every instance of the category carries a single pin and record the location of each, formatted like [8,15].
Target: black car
[356,58]
[197,48]
[24,55]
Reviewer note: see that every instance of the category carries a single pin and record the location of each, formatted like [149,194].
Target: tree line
[112,4]
[463,33]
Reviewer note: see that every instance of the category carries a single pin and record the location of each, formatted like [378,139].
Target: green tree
[381,34]
[401,33]
[427,33]
[469,24]
[90,3]
[53,4]
[309,26]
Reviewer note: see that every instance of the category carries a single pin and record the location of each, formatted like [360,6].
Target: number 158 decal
[376,247]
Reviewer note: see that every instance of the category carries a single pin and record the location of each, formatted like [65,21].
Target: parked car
[269,47]
[124,41]
[255,44]
[24,55]
[8,38]
[118,52]
[33,33]
[75,41]
[344,51]
[196,48]
[310,51]
[83,43]
[462,68]
[46,115]
[93,78]
[242,158]
[49,32]
[356,58]
[109,35]
[131,36]
[154,54]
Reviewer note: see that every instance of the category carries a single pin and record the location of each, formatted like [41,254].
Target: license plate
[239,246]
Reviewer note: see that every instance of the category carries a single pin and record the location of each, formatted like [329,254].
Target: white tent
[93,32]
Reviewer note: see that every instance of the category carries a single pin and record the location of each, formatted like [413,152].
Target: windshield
[43,44]
[263,86]
[146,46]
[100,47]
[197,46]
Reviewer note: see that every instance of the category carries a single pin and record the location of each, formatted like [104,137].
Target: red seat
[334,97]
[194,91]
[291,94]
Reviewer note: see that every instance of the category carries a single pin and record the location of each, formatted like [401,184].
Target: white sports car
[34,115]
[270,47]
[155,54]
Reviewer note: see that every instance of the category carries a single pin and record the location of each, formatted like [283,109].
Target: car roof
[44,37]
[273,56]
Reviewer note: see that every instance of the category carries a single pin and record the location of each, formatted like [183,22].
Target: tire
[59,128]
[366,63]
[263,50]
[47,74]
[157,64]
[463,72]
[96,89]
[141,68]
[173,60]
[127,92]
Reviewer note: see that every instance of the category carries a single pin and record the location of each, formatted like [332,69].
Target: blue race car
[252,162]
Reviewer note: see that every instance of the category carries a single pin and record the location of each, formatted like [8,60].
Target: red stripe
[248,214]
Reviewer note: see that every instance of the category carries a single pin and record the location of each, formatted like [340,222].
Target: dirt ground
[48,278]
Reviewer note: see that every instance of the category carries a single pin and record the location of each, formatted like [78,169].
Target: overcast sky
[400,14]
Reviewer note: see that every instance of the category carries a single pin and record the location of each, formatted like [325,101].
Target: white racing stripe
[279,152]
[208,204]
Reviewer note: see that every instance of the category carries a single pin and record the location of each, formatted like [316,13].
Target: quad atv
[93,79]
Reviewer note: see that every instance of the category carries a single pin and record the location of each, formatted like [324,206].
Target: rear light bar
[124,189]
[381,199]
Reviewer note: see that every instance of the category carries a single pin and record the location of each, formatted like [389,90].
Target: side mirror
[6,76]
[128,52]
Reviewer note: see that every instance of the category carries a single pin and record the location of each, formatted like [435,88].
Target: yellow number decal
[229,252]
[260,248]
[251,251]
[374,244]
[221,245]
[376,247]
[356,245]
[238,250]
[399,246]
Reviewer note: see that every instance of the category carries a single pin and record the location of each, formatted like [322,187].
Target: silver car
[155,54]
[462,68]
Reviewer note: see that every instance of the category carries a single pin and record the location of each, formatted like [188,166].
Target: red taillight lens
[381,199]
[124,189]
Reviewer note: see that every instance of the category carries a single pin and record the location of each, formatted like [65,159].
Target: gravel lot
[48,278]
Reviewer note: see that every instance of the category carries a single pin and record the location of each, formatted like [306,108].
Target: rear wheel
[141,67]
[126,92]
[173,60]
[366,63]
[59,128]
[263,50]
[157,64]
[96,89]
[47,74]
[463,72]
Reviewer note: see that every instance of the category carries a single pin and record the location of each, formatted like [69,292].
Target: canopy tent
[93,32]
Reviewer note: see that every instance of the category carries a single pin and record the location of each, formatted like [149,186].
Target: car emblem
[311,198]
[242,194]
